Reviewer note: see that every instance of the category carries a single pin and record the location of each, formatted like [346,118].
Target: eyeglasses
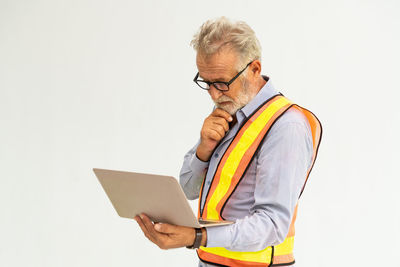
[222,86]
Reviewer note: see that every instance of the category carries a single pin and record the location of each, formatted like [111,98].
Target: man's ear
[255,68]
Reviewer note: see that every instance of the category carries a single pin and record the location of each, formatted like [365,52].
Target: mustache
[223,98]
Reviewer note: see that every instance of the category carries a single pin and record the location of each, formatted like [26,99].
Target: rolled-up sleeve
[281,169]
[192,174]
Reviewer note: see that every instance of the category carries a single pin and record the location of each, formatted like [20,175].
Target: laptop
[159,197]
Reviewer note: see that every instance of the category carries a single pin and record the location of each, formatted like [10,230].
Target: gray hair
[237,35]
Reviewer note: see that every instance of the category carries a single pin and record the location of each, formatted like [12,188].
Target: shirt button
[216,155]
[208,182]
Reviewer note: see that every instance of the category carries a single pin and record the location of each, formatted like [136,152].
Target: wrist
[192,239]
[198,238]
[202,154]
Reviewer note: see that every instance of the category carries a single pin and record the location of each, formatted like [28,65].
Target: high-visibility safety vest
[229,173]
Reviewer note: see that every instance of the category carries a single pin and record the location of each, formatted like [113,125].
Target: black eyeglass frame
[226,83]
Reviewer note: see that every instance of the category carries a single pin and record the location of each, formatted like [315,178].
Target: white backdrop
[108,84]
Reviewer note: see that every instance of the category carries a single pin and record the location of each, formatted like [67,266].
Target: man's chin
[228,107]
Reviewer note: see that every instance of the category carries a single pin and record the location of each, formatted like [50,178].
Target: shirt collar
[266,92]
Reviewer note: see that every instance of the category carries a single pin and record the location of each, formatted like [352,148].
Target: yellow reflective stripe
[262,256]
[284,248]
[237,153]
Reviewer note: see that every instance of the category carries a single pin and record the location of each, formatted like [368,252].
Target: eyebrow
[219,79]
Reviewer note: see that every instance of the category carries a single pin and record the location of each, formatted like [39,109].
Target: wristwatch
[197,240]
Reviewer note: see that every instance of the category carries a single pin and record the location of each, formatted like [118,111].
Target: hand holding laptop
[167,236]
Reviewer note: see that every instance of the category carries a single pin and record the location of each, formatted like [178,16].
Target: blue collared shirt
[263,204]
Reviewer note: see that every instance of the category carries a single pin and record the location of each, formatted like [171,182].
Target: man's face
[222,67]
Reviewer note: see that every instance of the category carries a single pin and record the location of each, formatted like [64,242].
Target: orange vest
[229,173]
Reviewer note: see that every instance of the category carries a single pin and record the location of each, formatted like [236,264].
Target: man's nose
[214,92]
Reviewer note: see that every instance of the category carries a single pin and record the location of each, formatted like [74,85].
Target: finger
[223,123]
[166,228]
[214,135]
[219,129]
[222,113]
[144,229]
[160,239]
[149,225]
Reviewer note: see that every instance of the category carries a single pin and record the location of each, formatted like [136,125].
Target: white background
[108,84]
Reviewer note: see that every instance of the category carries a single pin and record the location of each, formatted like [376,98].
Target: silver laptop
[159,197]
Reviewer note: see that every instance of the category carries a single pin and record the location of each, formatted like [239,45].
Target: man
[252,161]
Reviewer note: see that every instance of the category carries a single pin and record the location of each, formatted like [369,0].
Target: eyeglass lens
[219,86]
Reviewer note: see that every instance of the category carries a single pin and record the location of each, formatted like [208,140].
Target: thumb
[165,228]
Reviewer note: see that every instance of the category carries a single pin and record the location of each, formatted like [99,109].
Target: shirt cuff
[197,165]
[219,236]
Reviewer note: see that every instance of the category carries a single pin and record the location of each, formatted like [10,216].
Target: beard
[231,105]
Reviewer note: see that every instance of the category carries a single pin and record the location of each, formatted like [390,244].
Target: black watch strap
[197,240]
